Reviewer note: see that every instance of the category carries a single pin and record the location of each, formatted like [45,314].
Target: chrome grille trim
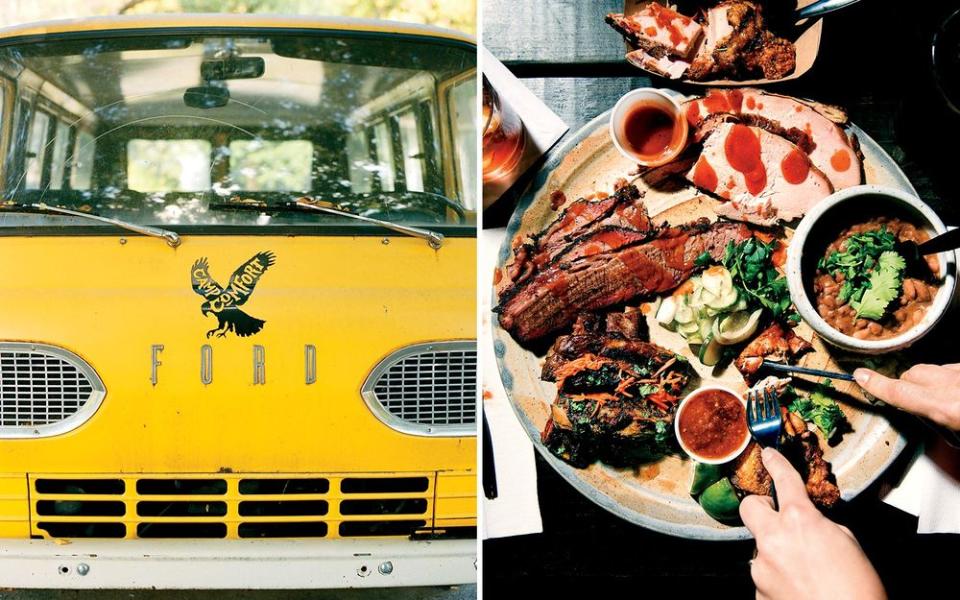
[45,390]
[426,389]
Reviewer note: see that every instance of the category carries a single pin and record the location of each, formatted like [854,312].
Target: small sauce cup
[648,126]
[711,424]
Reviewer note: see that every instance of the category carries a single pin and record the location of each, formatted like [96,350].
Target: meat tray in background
[805,38]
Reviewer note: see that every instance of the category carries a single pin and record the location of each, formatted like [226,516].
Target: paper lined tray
[806,40]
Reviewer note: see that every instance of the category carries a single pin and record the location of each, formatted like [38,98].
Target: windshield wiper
[171,237]
[434,239]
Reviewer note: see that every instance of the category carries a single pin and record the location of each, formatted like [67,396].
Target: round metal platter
[656,495]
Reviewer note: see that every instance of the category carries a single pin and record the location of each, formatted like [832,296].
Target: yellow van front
[237,304]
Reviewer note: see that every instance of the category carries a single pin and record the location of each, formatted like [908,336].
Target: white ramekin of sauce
[711,425]
[648,126]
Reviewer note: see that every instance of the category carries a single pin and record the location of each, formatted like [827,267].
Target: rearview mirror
[247,67]
[206,96]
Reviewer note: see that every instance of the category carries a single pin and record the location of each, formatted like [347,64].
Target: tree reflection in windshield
[136,128]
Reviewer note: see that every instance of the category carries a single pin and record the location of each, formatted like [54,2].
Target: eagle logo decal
[224,303]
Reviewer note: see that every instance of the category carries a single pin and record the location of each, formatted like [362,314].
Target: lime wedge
[704,476]
[720,501]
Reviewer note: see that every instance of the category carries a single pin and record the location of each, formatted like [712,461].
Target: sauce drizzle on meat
[840,160]
[795,167]
[704,176]
[742,148]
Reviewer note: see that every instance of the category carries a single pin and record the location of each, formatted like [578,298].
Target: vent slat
[433,387]
[38,387]
[244,506]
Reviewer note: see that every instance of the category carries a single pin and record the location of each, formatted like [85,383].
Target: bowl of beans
[851,276]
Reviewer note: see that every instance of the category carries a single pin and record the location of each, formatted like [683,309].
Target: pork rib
[775,343]
[552,299]
[569,347]
[658,30]
[608,407]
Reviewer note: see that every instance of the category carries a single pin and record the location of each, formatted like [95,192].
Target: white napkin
[928,491]
[543,127]
[516,510]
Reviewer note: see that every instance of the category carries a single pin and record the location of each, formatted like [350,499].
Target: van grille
[231,506]
[427,389]
[44,390]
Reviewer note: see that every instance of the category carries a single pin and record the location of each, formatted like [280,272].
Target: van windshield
[171,130]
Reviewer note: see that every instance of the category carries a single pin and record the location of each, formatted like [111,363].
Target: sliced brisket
[552,299]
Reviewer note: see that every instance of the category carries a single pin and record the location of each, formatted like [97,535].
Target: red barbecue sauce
[713,424]
[720,101]
[735,97]
[649,131]
[704,177]
[693,113]
[742,148]
[840,160]
[716,101]
[665,17]
[557,199]
[795,167]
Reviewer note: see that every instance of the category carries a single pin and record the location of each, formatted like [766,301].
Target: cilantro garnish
[751,267]
[872,272]
[820,409]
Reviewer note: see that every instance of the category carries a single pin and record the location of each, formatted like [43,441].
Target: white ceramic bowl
[676,426]
[659,98]
[869,201]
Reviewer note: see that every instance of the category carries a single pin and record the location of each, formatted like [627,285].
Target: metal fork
[765,422]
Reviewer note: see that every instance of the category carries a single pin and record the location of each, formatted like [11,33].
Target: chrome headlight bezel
[83,414]
[368,391]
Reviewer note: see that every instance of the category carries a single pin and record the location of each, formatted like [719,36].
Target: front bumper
[235,564]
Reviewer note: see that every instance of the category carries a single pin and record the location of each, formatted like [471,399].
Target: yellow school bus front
[237,309]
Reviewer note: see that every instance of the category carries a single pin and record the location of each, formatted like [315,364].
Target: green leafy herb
[750,263]
[891,260]
[821,409]
[872,272]
[662,432]
[704,260]
[884,287]
[646,389]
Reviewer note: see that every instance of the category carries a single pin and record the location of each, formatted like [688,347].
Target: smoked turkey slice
[830,149]
[763,177]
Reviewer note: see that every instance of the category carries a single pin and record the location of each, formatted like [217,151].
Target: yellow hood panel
[356,299]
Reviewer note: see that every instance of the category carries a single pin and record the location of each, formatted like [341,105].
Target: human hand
[930,391]
[801,553]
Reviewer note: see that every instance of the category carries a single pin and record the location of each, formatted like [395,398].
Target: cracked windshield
[200,131]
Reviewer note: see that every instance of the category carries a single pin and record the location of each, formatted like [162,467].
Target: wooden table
[874,61]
